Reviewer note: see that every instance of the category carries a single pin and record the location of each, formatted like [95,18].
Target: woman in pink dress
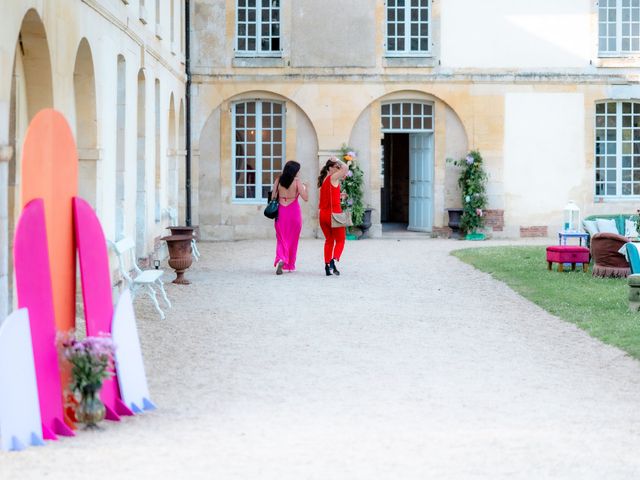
[289,222]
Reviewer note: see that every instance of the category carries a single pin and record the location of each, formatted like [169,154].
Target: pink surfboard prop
[96,292]
[33,282]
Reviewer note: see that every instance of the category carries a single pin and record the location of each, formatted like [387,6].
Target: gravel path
[410,365]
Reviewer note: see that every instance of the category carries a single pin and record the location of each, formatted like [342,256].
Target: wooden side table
[562,237]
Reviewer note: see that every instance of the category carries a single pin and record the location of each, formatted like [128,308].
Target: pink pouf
[572,254]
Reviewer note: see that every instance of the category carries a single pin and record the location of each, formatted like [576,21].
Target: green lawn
[596,305]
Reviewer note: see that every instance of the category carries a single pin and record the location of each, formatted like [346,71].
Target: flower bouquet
[472,184]
[91,360]
[353,186]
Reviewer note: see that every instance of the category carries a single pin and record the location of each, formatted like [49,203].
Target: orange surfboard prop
[50,171]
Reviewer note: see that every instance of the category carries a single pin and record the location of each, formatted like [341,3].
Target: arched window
[258,148]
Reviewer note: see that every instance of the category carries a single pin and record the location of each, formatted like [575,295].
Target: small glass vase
[90,410]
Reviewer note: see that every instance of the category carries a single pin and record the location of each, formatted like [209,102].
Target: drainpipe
[187,64]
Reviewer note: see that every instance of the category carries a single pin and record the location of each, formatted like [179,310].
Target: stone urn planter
[455,214]
[366,220]
[179,255]
[182,230]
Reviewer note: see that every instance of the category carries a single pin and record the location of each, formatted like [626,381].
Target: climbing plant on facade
[472,183]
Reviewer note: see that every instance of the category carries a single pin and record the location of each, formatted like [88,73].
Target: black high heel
[332,264]
[327,269]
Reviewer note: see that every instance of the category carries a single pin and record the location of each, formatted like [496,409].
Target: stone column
[172,185]
[6,153]
[181,204]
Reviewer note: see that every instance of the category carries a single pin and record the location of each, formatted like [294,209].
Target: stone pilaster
[6,153]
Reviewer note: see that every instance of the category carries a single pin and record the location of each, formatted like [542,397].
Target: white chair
[143,279]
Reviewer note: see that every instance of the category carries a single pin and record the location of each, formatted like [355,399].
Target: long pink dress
[288,227]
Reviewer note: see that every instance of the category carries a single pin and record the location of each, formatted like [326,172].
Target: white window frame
[407,52]
[258,52]
[409,116]
[619,153]
[634,25]
[257,199]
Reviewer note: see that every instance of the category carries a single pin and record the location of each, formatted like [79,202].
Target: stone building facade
[547,91]
[115,69]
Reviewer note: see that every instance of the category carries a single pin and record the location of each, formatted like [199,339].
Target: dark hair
[323,173]
[289,172]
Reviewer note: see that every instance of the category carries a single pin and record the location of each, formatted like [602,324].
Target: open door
[420,182]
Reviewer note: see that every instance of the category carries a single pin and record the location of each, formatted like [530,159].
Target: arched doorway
[31,91]
[383,133]
[407,167]
[141,167]
[86,123]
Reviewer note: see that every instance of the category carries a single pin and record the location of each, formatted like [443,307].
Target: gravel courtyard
[410,365]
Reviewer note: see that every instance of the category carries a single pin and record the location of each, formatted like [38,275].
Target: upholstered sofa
[618,218]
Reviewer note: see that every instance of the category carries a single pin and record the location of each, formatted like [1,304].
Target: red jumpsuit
[334,237]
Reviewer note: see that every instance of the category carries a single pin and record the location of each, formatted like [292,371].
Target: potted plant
[353,186]
[92,362]
[472,183]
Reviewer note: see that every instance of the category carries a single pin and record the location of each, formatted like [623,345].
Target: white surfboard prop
[20,424]
[129,364]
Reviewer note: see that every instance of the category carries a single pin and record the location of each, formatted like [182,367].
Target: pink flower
[479,212]
[349,173]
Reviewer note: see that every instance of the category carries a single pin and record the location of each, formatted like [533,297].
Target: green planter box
[475,236]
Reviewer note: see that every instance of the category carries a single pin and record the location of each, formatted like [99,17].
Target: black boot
[327,269]
[332,264]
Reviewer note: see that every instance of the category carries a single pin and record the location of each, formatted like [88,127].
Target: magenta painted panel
[96,291]
[33,284]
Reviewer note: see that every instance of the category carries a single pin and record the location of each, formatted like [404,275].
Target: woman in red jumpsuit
[330,196]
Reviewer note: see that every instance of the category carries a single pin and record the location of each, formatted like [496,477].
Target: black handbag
[271,210]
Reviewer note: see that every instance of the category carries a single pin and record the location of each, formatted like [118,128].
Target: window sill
[248,203]
[257,62]
[632,199]
[617,61]
[409,61]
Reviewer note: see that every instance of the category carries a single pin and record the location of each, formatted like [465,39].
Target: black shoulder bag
[271,210]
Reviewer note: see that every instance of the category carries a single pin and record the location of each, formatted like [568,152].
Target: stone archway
[218,215]
[451,141]
[86,124]
[31,91]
